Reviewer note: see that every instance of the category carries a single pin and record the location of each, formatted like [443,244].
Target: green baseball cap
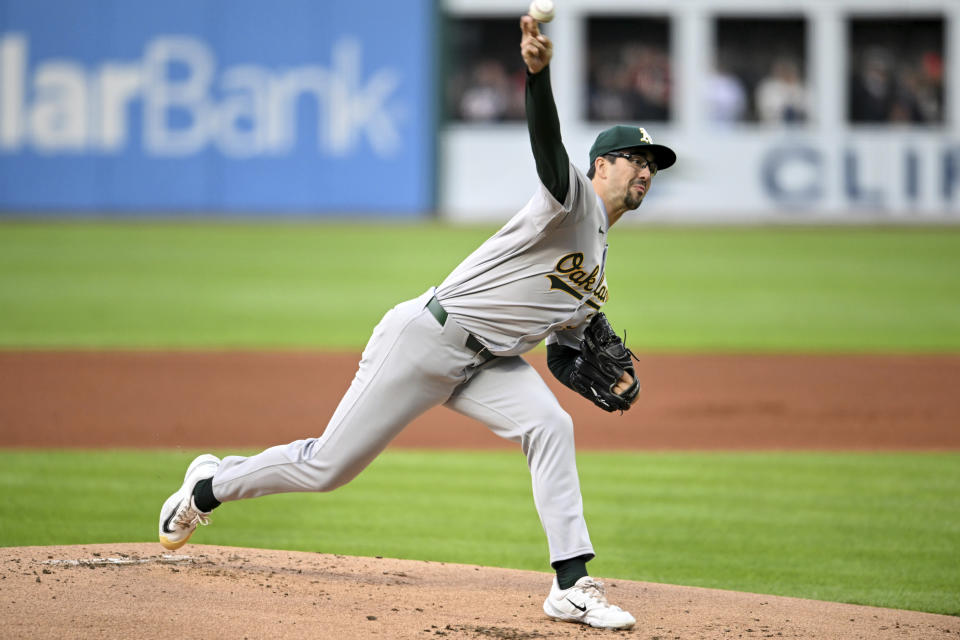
[623,136]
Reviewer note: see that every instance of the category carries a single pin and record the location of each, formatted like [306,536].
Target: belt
[472,343]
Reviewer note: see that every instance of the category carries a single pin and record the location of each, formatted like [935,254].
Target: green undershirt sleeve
[553,164]
[560,361]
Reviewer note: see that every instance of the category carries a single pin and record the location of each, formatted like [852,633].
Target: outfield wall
[825,169]
[220,106]
[227,107]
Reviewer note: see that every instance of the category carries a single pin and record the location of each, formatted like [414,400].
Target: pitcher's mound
[136,591]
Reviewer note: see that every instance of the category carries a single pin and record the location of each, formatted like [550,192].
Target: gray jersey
[541,276]
[542,273]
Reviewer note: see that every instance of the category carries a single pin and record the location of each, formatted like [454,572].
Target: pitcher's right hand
[536,48]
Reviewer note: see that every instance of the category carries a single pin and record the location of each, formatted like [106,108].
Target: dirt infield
[194,400]
[253,399]
[131,591]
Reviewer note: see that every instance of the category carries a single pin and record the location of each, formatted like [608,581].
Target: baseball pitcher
[543,276]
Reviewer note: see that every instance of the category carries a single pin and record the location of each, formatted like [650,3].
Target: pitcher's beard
[632,202]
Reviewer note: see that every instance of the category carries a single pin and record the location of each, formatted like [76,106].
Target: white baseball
[541,10]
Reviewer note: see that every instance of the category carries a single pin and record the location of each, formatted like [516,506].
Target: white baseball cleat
[586,603]
[179,516]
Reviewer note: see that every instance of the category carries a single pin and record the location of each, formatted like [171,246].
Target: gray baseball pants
[411,364]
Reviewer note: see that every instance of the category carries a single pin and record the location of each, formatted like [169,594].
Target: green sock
[570,570]
[203,496]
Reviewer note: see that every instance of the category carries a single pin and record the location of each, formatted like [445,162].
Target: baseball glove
[603,359]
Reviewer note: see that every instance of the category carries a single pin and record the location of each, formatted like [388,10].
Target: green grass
[176,285]
[877,529]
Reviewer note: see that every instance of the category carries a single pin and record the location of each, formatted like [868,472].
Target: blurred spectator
[485,77]
[609,94]
[910,91]
[871,91]
[725,95]
[759,71]
[487,97]
[781,96]
[930,86]
[649,70]
[897,71]
[628,74]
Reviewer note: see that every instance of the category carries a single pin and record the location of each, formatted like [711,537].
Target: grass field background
[315,286]
[875,529]
[864,528]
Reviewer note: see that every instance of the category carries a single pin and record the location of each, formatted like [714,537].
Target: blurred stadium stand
[822,111]
[800,111]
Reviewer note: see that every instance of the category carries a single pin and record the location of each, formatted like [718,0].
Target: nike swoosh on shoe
[166,523]
[582,609]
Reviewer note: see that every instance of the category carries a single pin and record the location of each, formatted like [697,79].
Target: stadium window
[484,76]
[759,72]
[628,69]
[896,70]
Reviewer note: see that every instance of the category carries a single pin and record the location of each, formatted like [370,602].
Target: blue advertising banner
[300,106]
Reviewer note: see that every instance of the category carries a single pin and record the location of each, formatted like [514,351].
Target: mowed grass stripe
[877,529]
[188,285]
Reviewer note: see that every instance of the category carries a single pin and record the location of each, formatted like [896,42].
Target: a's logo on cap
[644,136]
